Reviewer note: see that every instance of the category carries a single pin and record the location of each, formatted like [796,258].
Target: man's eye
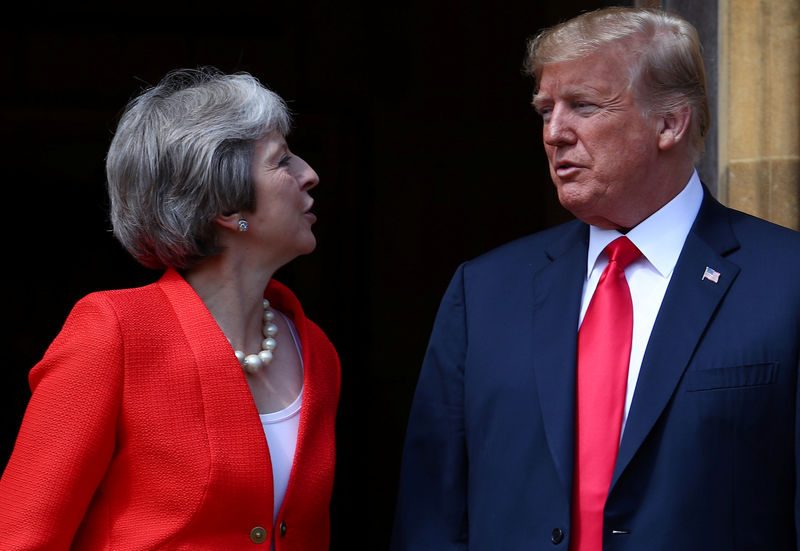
[545,113]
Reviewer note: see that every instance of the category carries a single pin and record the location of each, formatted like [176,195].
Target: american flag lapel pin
[711,275]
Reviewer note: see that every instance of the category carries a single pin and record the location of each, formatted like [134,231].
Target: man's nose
[558,128]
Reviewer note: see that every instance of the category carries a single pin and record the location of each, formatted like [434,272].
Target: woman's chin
[308,245]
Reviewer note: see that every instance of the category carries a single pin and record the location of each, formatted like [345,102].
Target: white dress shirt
[660,238]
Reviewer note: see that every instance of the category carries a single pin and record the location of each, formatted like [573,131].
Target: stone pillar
[759,108]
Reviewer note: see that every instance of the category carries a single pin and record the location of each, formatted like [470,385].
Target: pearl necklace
[252,363]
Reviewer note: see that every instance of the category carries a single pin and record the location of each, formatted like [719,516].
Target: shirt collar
[660,237]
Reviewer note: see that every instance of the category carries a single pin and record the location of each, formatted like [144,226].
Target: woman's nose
[308,177]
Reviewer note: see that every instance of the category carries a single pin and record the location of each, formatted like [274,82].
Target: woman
[197,412]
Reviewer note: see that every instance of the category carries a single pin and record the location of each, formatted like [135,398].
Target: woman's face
[282,218]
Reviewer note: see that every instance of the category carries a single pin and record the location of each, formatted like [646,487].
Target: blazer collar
[687,309]
[557,289]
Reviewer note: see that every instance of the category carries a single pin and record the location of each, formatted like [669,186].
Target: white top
[660,238]
[280,428]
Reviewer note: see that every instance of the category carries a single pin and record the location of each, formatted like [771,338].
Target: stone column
[759,108]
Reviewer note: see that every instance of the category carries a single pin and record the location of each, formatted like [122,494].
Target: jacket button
[283,528]
[557,536]
[258,535]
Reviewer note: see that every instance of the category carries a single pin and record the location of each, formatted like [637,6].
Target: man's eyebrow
[569,93]
[539,100]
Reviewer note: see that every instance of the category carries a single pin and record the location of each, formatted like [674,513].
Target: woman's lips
[310,216]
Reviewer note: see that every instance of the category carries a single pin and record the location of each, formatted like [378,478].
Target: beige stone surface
[759,108]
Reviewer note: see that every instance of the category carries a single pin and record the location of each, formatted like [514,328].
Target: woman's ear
[231,221]
[674,127]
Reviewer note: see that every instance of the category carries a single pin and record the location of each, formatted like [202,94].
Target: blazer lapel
[231,424]
[557,297]
[688,307]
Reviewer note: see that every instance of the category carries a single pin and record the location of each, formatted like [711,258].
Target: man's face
[601,149]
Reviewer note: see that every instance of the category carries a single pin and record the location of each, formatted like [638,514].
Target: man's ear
[674,127]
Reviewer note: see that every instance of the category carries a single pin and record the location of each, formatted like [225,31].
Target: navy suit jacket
[707,460]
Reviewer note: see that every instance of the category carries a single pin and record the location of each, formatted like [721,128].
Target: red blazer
[142,434]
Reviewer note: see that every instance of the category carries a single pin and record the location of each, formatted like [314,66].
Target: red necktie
[604,351]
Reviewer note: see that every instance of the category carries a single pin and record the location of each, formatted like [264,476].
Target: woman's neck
[233,293]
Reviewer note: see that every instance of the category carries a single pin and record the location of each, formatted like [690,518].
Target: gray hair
[667,71]
[181,156]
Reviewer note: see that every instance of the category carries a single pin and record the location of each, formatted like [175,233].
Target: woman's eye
[285,161]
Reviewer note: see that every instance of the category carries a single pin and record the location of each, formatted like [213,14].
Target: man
[524,431]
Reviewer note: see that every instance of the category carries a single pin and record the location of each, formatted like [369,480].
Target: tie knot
[622,251]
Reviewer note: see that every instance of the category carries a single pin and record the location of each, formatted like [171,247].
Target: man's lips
[566,168]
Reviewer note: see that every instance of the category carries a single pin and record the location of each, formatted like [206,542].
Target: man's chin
[575,199]
[585,210]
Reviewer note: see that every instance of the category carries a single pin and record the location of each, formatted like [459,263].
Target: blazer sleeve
[797,458]
[432,497]
[67,435]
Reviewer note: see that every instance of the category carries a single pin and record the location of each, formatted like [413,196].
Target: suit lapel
[557,298]
[231,424]
[688,307]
